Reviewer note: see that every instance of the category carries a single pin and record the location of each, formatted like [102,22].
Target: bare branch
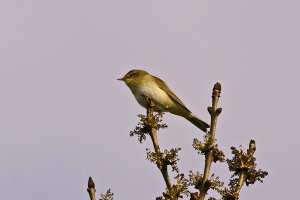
[214,111]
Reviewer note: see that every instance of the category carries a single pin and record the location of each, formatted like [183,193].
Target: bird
[144,85]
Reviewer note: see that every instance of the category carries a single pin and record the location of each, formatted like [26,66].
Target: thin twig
[240,184]
[214,111]
[243,174]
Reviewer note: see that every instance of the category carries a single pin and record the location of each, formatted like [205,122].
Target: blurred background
[65,117]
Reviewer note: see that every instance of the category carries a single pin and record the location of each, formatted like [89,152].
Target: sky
[65,117]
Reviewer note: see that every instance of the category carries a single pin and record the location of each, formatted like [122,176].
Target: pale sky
[65,117]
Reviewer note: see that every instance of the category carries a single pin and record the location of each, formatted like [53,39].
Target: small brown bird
[143,85]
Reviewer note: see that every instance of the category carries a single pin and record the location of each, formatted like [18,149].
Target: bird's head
[133,77]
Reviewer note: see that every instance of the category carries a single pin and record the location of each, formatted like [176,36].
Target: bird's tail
[198,122]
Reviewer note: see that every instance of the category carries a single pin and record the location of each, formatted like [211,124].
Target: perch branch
[153,134]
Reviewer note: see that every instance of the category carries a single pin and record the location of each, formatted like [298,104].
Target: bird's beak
[120,79]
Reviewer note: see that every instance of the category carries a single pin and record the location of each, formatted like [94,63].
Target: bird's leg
[150,102]
[152,123]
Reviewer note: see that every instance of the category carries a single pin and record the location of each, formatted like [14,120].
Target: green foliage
[228,194]
[146,124]
[244,162]
[178,190]
[213,182]
[196,179]
[107,196]
[207,146]
[164,159]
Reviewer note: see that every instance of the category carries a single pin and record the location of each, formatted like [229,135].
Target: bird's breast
[152,90]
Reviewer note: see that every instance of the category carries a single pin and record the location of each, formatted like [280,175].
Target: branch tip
[91,189]
[91,183]
[217,86]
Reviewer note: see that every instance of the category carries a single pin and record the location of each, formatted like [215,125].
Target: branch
[91,189]
[244,170]
[153,134]
[149,125]
[214,111]
[243,174]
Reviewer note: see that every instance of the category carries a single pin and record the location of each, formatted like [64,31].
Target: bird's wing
[169,92]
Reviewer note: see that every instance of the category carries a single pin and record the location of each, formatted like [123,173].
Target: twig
[91,189]
[214,111]
[153,134]
[243,174]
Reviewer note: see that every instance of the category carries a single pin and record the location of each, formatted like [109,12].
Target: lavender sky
[65,117]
